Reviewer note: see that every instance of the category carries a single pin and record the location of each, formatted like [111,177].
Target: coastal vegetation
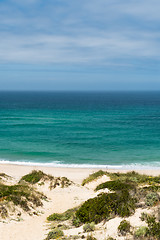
[26,197]
[23,195]
[116,185]
[93,177]
[62,216]
[36,176]
[105,206]
[132,177]
[124,227]
[55,234]
[90,237]
[89,227]
[41,177]
[4,176]
[127,192]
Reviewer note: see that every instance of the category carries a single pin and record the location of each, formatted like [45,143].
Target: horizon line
[21,90]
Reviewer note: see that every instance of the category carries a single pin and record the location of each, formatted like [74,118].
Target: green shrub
[55,234]
[21,195]
[143,216]
[124,227]
[151,199]
[89,227]
[96,209]
[115,185]
[125,204]
[101,207]
[62,216]
[34,177]
[91,238]
[134,177]
[153,188]
[57,217]
[65,182]
[76,221]
[4,176]
[73,237]
[110,238]
[3,211]
[93,176]
[141,232]
[153,227]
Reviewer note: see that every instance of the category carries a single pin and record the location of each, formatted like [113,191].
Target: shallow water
[113,129]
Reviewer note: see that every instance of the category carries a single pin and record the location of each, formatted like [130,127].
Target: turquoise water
[73,129]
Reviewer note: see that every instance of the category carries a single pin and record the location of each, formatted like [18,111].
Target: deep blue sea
[81,129]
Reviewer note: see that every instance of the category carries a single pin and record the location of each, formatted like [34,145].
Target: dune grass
[20,195]
[93,177]
[115,185]
[36,176]
[134,177]
[62,216]
[40,177]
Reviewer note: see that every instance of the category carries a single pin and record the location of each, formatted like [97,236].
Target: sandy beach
[60,199]
[74,174]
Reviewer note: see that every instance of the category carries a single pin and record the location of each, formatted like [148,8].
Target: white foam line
[136,166]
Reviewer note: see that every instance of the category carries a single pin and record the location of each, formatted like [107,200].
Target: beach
[60,199]
[75,174]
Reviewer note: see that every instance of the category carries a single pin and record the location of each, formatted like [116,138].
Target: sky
[84,45]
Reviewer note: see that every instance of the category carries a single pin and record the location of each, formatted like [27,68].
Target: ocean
[81,129]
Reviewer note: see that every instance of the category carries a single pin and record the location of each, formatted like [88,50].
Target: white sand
[61,199]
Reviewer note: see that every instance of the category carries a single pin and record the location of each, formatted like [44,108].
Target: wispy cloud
[85,32]
[44,48]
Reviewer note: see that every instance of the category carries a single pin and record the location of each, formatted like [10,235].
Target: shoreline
[128,167]
[117,167]
[76,174]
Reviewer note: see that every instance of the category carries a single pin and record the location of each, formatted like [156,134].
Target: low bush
[21,195]
[35,177]
[134,177]
[115,185]
[40,178]
[143,216]
[89,227]
[91,238]
[141,232]
[96,209]
[4,176]
[93,176]
[153,227]
[3,211]
[55,234]
[76,221]
[62,216]
[151,198]
[124,227]
[57,217]
[103,206]
[65,182]
[152,188]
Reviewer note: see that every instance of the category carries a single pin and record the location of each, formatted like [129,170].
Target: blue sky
[79,45]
